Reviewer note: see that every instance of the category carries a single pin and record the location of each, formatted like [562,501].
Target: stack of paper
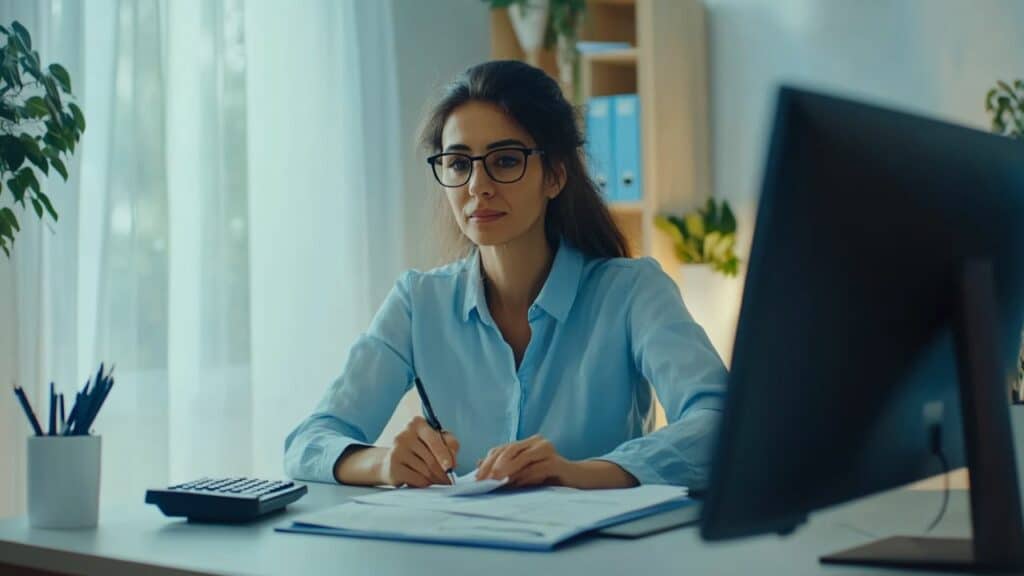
[533,519]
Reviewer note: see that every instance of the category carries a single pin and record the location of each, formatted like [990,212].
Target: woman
[539,349]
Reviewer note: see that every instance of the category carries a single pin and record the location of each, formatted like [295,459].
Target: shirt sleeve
[676,357]
[356,407]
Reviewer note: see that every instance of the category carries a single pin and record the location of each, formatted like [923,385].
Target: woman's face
[488,212]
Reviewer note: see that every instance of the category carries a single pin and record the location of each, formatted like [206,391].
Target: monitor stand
[998,536]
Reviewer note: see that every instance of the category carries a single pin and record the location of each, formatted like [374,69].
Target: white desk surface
[139,539]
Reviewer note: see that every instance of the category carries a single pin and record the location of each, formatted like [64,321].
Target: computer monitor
[880,324]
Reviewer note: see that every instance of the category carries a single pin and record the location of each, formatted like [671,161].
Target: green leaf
[27,176]
[12,152]
[728,219]
[7,215]
[49,207]
[38,207]
[989,98]
[668,227]
[62,76]
[23,34]
[17,190]
[58,165]
[36,106]
[76,112]
[51,92]
[34,154]
[694,225]
[55,141]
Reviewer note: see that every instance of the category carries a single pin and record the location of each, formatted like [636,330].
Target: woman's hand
[535,461]
[419,456]
[526,463]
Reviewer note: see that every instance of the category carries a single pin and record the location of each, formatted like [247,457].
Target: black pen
[432,420]
[53,411]
[29,413]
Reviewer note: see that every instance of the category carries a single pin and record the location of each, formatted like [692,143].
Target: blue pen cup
[63,481]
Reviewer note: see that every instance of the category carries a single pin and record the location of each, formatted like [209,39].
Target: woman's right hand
[419,456]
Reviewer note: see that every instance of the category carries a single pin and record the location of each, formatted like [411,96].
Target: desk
[141,540]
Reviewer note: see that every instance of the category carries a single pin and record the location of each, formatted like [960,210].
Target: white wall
[938,57]
[434,41]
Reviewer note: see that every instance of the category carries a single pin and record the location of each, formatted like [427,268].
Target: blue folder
[600,139]
[628,153]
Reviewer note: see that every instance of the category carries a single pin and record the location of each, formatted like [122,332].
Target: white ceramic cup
[63,481]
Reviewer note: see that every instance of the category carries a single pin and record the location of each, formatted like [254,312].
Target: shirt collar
[555,298]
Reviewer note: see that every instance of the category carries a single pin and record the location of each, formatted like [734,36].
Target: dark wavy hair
[535,101]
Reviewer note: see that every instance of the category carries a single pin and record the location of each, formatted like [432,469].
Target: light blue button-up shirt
[603,333]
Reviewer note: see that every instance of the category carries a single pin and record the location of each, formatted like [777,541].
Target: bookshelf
[666,66]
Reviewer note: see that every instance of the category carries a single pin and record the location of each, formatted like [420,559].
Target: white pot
[530,21]
[713,299]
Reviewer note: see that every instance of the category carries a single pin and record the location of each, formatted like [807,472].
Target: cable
[936,445]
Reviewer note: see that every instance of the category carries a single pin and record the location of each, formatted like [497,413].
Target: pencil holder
[63,481]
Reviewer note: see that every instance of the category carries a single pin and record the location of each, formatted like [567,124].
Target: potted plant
[39,128]
[704,241]
[1005,104]
[547,24]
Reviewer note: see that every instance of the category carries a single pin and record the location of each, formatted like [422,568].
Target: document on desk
[536,519]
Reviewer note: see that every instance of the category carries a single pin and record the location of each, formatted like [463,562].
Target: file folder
[628,153]
[600,138]
[535,519]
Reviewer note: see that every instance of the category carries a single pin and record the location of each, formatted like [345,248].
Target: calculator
[225,499]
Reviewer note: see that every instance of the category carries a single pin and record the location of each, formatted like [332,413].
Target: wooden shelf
[626,208]
[625,57]
[667,68]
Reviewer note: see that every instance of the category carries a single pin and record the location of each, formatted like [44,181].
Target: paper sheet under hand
[468,485]
[551,505]
[425,525]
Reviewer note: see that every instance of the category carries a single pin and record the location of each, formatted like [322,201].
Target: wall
[937,57]
[434,41]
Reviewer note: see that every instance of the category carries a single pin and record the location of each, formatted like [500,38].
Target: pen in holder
[63,481]
[64,459]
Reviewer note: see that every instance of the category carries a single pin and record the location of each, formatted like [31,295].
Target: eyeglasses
[504,165]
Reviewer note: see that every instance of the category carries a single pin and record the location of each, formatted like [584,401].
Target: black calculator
[225,499]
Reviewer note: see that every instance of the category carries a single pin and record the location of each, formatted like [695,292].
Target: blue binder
[628,154]
[600,138]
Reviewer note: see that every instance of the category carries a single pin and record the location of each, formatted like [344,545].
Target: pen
[432,419]
[60,398]
[53,411]
[28,410]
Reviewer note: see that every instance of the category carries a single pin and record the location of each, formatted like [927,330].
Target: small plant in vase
[705,236]
[704,242]
[1005,104]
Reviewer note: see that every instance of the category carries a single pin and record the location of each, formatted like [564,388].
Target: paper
[468,485]
[549,505]
[404,523]
[536,519]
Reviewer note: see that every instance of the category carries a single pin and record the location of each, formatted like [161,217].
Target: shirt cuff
[332,450]
[635,465]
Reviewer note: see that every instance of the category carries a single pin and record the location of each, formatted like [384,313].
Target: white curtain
[214,242]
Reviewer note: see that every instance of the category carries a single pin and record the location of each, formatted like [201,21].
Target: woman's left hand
[527,462]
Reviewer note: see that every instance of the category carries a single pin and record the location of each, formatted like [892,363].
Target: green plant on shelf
[1005,103]
[38,127]
[563,18]
[704,236]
